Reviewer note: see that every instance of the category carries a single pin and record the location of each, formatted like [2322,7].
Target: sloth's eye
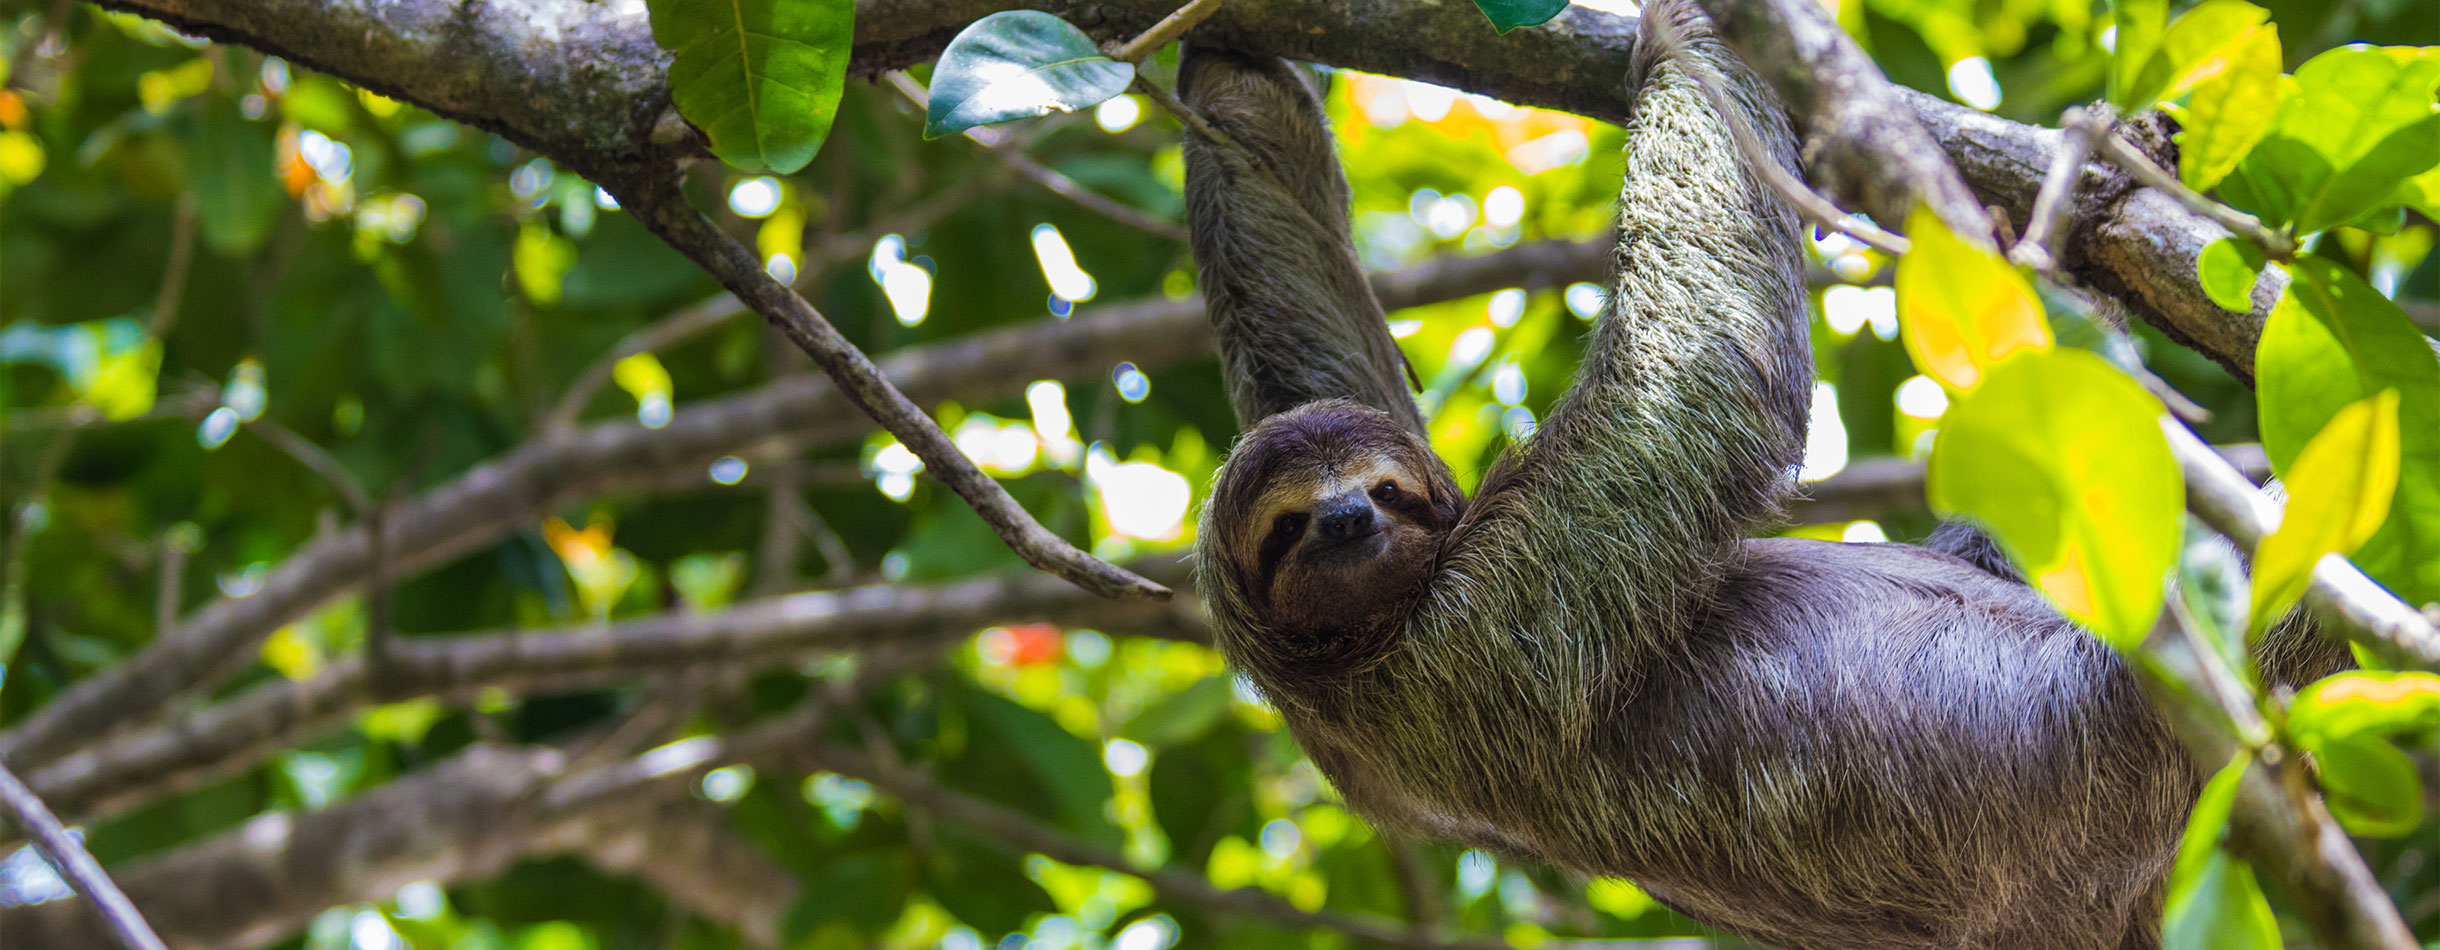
[1286,526]
[1386,492]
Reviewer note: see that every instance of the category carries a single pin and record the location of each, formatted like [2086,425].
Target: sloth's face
[1331,518]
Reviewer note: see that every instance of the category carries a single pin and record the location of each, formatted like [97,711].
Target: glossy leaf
[2359,702]
[762,78]
[2358,123]
[2338,495]
[2062,456]
[1018,64]
[2231,107]
[2228,270]
[1961,308]
[2331,341]
[2199,45]
[1507,15]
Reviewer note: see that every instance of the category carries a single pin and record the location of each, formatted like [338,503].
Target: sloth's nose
[1347,518]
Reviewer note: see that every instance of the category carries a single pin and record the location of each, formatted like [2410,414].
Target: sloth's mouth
[1342,545]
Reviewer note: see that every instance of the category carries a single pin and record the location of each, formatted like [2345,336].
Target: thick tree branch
[1860,136]
[593,97]
[496,497]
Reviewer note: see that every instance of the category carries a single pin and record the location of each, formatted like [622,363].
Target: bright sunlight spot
[1142,500]
[1971,79]
[1825,437]
[1922,398]
[1863,531]
[1067,280]
[1117,113]
[754,197]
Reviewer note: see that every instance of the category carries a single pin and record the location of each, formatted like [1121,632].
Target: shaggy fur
[1817,745]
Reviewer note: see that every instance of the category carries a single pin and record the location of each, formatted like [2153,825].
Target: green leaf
[2347,721]
[1018,64]
[2331,341]
[2373,789]
[2208,821]
[2360,702]
[761,77]
[2213,900]
[2197,46]
[2228,269]
[2359,123]
[2231,108]
[984,887]
[2339,489]
[1507,15]
[1201,792]
[2062,456]
[1962,308]
[2139,29]
[229,172]
[1067,766]
[1183,715]
[2220,908]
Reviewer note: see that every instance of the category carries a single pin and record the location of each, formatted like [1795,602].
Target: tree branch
[66,855]
[494,498]
[211,742]
[593,96]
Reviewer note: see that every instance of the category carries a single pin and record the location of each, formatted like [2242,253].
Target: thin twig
[69,857]
[1171,27]
[2124,153]
[171,566]
[661,206]
[1050,179]
[666,332]
[173,274]
[2051,205]
[1187,114]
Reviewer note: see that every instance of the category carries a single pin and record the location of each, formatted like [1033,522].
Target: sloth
[1590,663]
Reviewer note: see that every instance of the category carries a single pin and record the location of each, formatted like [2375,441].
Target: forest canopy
[425,526]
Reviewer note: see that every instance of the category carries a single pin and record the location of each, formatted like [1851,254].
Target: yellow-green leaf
[2062,457]
[2338,494]
[2195,47]
[2139,28]
[2231,108]
[1961,308]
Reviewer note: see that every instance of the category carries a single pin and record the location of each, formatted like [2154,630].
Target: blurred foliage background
[217,271]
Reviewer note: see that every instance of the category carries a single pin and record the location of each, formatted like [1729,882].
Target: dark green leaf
[983,886]
[1183,715]
[1014,65]
[761,77]
[229,172]
[1066,765]
[1507,15]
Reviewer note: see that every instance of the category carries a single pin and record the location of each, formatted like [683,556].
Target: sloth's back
[1884,746]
